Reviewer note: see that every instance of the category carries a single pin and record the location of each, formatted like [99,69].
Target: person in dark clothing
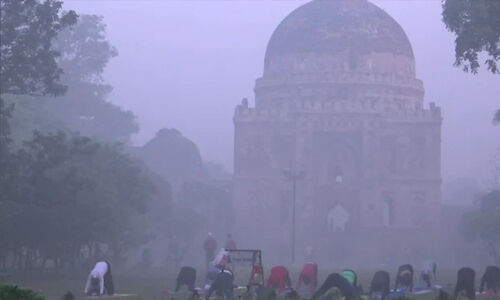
[336,280]
[222,285]
[404,277]
[380,284]
[443,295]
[490,278]
[465,283]
[68,296]
[187,276]
[210,245]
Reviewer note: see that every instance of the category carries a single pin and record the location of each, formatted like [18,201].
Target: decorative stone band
[367,78]
[327,112]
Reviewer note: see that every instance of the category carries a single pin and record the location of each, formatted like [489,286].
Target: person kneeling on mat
[100,281]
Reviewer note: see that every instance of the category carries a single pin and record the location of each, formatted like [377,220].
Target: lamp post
[293,176]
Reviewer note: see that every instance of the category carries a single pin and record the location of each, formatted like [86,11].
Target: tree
[477,28]
[484,223]
[84,54]
[76,193]
[27,28]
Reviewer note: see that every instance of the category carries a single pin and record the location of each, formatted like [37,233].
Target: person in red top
[210,245]
[279,279]
[308,276]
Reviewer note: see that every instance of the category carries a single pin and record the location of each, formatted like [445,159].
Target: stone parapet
[344,77]
[326,111]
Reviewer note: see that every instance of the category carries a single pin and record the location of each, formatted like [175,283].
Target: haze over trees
[73,189]
[483,224]
[84,52]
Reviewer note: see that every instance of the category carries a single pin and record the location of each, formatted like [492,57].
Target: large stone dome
[339,36]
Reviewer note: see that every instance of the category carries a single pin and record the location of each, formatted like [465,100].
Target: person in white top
[100,280]
[428,272]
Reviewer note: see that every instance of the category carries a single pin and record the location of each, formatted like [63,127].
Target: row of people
[100,280]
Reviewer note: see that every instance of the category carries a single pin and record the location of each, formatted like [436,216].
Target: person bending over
[222,285]
[465,283]
[404,277]
[187,276]
[279,279]
[491,278]
[100,280]
[380,285]
[339,282]
[308,276]
[428,272]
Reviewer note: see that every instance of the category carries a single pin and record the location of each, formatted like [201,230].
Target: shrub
[8,292]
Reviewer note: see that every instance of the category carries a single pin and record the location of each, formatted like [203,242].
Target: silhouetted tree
[85,52]
[74,193]
[28,28]
[484,223]
[476,25]
[477,28]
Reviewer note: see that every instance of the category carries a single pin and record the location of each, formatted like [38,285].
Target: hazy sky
[186,64]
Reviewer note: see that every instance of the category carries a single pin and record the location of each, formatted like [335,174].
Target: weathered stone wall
[339,101]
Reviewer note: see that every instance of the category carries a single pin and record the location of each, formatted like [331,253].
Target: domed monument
[339,118]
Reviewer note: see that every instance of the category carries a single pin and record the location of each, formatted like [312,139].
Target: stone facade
[339,101]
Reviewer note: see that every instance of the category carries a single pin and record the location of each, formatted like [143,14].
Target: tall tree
[484,223]
[476,24]
[77,192]
[85,52]
[27,29]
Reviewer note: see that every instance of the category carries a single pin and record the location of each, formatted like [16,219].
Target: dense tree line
[71,196]
[72,190]
[64,198]
[483,223]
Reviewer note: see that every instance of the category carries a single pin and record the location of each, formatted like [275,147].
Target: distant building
[339,100]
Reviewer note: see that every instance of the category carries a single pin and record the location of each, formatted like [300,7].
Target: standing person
[230,243]
[210,245]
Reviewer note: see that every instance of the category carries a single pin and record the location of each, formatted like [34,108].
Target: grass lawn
[154,283]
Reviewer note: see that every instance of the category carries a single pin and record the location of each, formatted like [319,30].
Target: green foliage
[476,24]
[72,191]
[28,28]
[484,223]
[8,292]
[85,52]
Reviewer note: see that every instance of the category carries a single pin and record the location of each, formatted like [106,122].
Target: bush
[8,292]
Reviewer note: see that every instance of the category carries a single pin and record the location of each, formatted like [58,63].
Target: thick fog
[186,64]
[338,163]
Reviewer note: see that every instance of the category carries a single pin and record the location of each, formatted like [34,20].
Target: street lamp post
[293,176]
